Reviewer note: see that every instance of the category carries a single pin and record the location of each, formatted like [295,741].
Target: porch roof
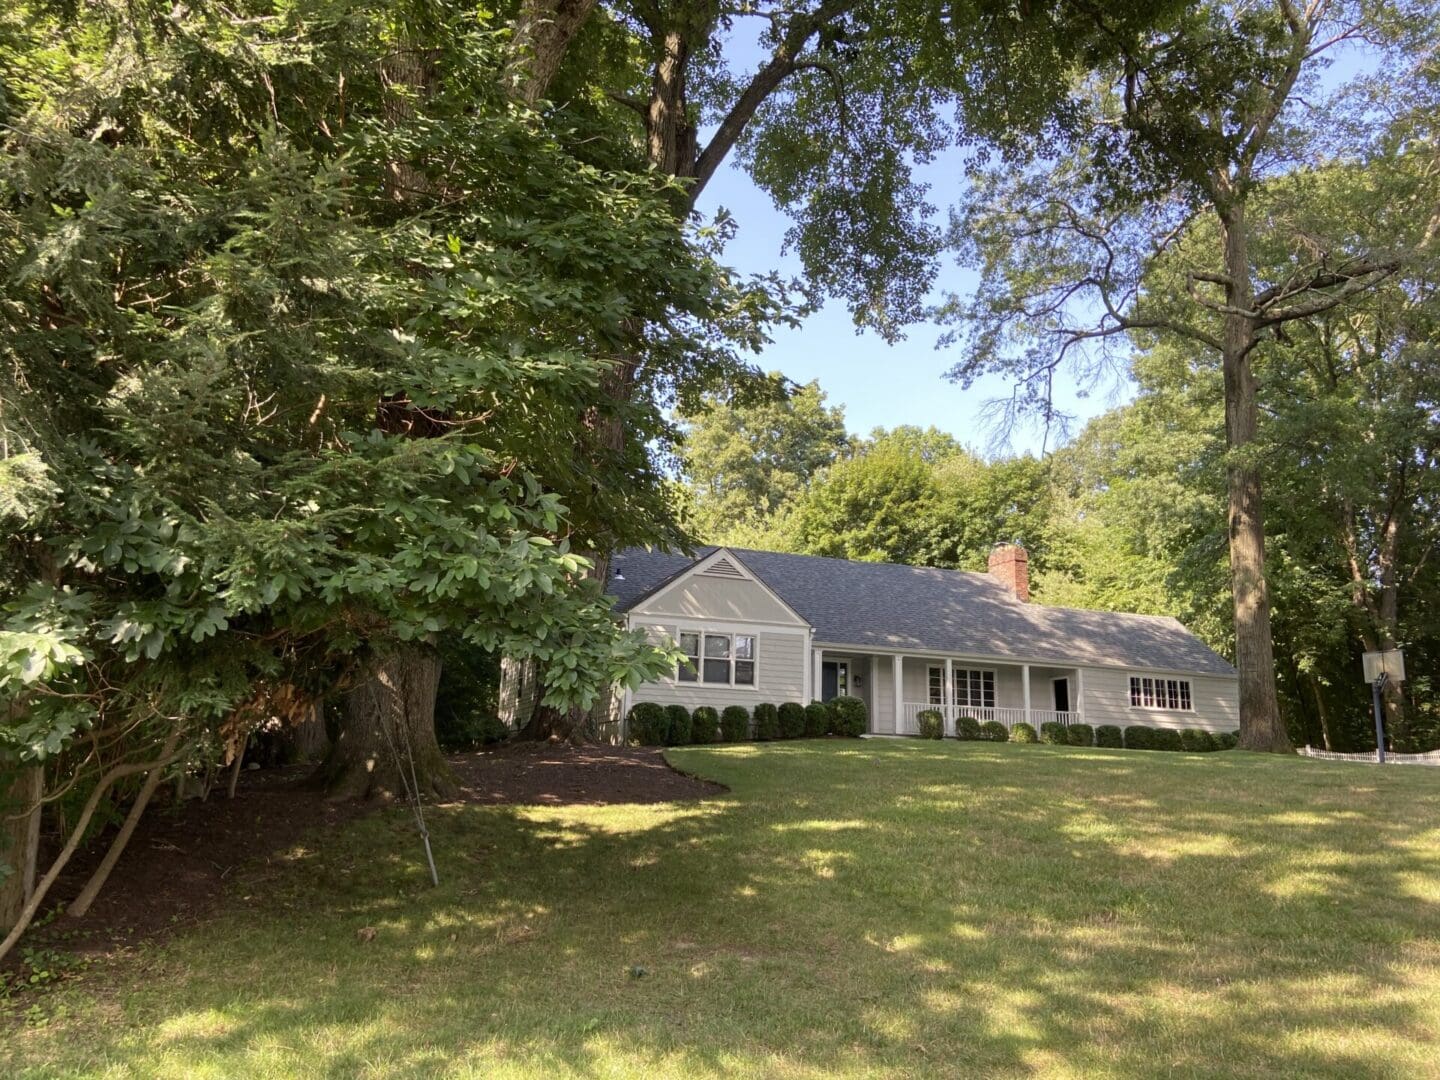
[890,606]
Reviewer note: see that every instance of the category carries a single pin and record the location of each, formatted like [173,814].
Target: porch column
[898,668]
[873,698]
[817,683]
[1078,705]
[1025,689]
[947,697]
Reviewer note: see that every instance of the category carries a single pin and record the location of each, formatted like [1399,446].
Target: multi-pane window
[973,688]
[728,659]
[1156,693]
[689,670]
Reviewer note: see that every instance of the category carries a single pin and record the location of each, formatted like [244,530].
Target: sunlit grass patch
[848,909]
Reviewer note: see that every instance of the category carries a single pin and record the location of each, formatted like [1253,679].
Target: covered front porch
[897,687]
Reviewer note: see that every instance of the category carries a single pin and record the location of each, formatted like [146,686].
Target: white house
[759,626]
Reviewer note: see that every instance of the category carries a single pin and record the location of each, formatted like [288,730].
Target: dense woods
[341,343]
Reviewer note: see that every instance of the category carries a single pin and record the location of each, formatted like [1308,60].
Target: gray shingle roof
[890,606]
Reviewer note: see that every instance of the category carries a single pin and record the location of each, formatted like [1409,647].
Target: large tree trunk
[1260,724]
[543,32]
[19,840]
[308,741]
[390,719]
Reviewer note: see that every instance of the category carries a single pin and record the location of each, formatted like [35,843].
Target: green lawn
[851,909]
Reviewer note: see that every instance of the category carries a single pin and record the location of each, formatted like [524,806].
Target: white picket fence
[1431,757]
[910,712]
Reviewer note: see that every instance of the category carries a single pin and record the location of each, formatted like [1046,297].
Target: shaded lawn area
[849,909]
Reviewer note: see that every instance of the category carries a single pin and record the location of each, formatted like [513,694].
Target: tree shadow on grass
[847,910]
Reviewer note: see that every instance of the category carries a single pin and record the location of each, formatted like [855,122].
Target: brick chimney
[1011,565]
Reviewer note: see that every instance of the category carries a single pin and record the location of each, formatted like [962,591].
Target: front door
[1062,695]
[834,679]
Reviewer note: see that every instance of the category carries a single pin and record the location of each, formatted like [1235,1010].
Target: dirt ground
[178,865]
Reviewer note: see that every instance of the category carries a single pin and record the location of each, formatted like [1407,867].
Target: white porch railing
[909,723]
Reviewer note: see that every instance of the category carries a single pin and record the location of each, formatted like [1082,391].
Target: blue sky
[884,385]
[880,385]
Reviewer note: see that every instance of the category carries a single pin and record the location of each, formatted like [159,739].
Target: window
[973,688]
[727,659]
[744,660]
[717,658]
[1151,693]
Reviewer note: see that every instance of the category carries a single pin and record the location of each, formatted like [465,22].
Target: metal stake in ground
[412,784]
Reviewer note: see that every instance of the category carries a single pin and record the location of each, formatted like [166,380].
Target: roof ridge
[981,574]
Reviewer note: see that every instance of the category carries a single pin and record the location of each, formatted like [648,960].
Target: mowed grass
[850,909]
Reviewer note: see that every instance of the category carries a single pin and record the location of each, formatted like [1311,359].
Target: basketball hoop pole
[1378,688]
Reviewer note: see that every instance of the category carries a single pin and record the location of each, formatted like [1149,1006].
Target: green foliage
[967,728]
[1109,735]
[679,725]
[792,720]
[1197,741]
[1227,740]
[735,723]
[819,718]
[767,722]
[931,722]
[994,731]
[1080,735]
[460,731]
[1140,737]
[466,712]
[745,459]
[1022,733]
[1166,739]
[288,372]
[704,725]
[848,716]
[1053,732]
[649,724]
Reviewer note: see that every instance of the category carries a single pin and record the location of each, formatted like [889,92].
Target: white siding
[519,691]
[697,597]
[882,692]
[1107,701]
[779,674]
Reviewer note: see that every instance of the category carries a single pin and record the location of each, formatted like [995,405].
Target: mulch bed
[176,867]
[553,775]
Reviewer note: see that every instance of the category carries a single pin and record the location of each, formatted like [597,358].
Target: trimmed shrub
[1023,732]
[1109,735]
[649,725]
[1227,740]
[817,719]
[848,716]
[1053,732]
[1139,737]
[968,728]
[932,724]
[1168,739]
[767,722]
[993,731]
[704,722]
[792,720]
[1196,741]
[735,723]
[678,720]
[1080,735]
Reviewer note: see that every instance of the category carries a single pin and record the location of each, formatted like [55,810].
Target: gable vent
[723,568]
